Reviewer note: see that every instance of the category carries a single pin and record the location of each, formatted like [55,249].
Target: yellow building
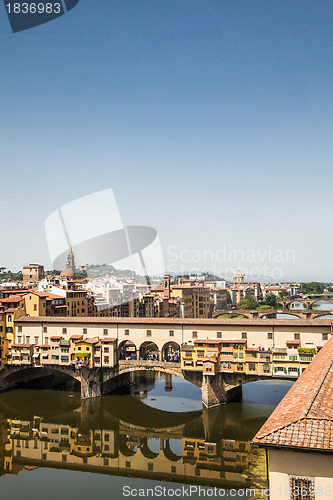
[84,352]
[228,356]
[35,303]
[13,308]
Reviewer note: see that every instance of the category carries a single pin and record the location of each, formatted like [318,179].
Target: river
[154,434]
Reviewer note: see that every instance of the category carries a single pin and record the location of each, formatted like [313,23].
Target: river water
[321,305]
[153,435]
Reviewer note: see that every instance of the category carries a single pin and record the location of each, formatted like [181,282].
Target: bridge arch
[169,454]
[146,451]
[15,376]
[124,448]
[316,301]
[171,352]
[149,351]
[127,350]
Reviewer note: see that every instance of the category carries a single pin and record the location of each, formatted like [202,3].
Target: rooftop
[178,321]
[304,417]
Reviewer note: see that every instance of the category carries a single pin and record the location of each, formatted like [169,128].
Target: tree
[270,299]
[313,287]
[248,302]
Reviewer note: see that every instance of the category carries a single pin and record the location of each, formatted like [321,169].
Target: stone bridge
[262,313]
[94,382]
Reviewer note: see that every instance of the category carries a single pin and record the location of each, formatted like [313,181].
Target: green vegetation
[313,287]
[230,316]
[265,307]
[270,300]
[307,350]
[248,303]
[8,275]
[80,355]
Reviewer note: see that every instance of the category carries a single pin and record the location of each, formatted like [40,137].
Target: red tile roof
[178,321]
[12,298]
[304,417]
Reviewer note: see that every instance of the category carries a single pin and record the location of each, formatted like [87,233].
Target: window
[19,329]
[84,331]
[148,333]
[126,332]
[64,331]
[219,335]
[64,458]
[27,339]
[19,339]
[194,335]
[171,333]
[46,340]
[36,340]
[45,329]
[106,359]
[324,336]
[150,466]
[252,367]
[35,307]
[269,336]
[296,336]
[301,488]
[105,331]
[106,461]
[128,464]
[244,335]
[173,469]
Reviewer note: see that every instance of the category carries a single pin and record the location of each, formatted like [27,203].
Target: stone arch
[296,301]
[171,352]
[124,449]
[149,351]
[127,350]
[320,300]
[15,376]
[169,454]
[146,451]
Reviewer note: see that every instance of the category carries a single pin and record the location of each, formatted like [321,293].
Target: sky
[211,120]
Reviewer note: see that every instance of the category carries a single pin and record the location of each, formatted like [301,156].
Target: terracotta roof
[22,345]
[207,341]
[178,321]
[11,309]
[56,337]
[109,339]
[75,337]
[304,417]
[12,298]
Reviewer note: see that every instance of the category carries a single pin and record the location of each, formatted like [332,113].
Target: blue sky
[211,120]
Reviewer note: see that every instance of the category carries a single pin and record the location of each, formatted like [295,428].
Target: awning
[36,355]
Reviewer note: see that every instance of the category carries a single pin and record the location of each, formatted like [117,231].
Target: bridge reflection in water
[120,435]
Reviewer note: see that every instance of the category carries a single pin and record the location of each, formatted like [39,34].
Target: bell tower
[70,264]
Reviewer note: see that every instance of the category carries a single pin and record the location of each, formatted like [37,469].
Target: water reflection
[121,435]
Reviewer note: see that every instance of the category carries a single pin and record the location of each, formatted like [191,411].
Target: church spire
[70,265]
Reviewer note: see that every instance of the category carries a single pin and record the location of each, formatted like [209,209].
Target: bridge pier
[91,383]
[216,392]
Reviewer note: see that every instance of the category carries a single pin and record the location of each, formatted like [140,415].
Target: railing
[147,363]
